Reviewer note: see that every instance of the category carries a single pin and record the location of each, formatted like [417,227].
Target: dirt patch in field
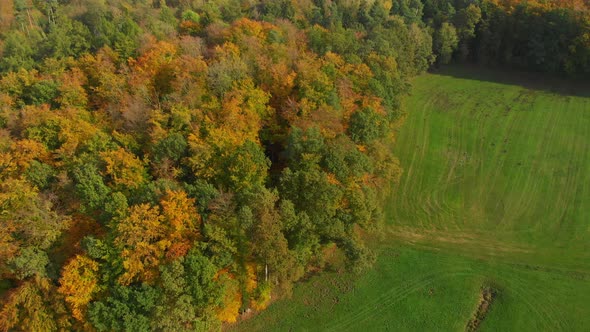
[455,238]
[486,298]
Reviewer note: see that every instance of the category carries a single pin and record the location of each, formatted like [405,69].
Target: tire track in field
[438,213]
[524,202]
[392,296]
[552,134]
[433,207]
[439,207]
[411,184]
[400,288]
[401,191]
[397,292]
[573,174]
[545,311]
[542,311]
[490,182]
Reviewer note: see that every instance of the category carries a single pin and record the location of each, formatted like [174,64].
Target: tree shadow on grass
[530,80]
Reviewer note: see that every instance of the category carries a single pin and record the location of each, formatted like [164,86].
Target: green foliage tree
[66,38]
[189,294]
[29,228]
[18,50]
[90,187]
[466,20]
[245,169]
[311,191]
[31,261]
[410,10]
[367,126]
[40,174]
[445,42]
[271,248]
[126,309]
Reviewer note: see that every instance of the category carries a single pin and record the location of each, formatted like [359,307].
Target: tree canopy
[167,165]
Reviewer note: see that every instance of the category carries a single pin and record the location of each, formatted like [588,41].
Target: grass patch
[412,289]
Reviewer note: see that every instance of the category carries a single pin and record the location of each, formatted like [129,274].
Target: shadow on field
[528,80]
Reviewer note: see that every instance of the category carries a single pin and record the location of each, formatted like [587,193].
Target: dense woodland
[167,165]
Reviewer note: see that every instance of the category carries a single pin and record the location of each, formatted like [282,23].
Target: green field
[495,193]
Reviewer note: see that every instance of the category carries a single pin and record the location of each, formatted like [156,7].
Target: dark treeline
[546,36]
[167,165]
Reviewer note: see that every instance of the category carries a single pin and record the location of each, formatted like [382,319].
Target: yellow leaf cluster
[181,215]
[78,284]
[232,300]
[141,236]
[149,234]
[25,308]
[124,168]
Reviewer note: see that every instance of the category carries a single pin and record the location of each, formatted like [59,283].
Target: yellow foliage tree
[141,238]
[24,151]
[124,168]
[72,93]
[148,234]
[75,130]
[6,14]
[26,221]
[181,214]
[201,154]
[232,298]
[240,117]
[101,72]
[251,281]
[78,284]
[25,308]
[259,292]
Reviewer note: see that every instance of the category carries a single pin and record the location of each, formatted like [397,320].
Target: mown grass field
[496,192]
[496,164]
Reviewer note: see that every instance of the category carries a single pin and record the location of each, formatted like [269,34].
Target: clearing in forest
[496,167]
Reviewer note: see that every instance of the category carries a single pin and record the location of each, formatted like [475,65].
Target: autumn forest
[169,165]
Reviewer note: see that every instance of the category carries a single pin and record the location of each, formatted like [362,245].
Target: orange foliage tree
[182,221]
